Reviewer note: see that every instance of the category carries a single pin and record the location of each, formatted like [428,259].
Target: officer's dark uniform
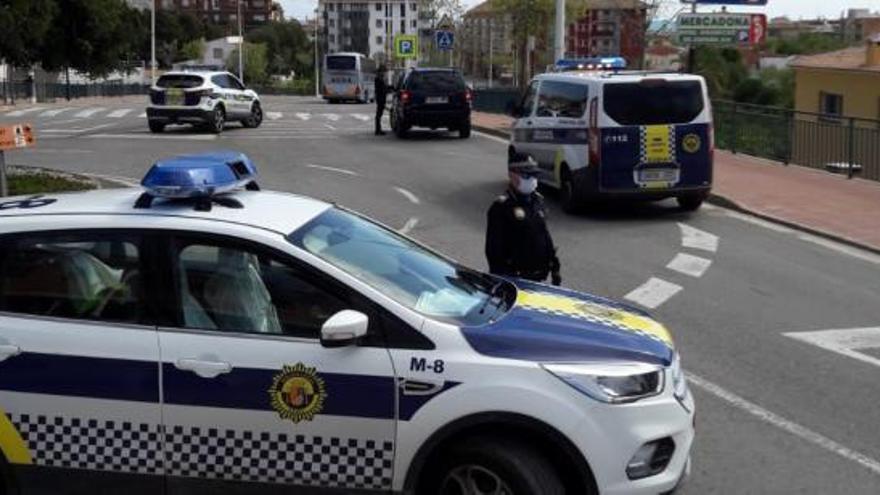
[517,240]
[381,90]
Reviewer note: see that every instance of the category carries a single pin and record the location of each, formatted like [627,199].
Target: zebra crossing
[104,121]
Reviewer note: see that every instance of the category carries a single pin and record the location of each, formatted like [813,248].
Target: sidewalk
[813,200]
[74,102]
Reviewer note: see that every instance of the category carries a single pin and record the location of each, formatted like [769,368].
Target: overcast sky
[300,9]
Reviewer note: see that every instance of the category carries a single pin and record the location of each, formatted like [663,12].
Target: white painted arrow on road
[847,342]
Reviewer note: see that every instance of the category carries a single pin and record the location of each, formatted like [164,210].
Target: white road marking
[303,116]
[50,151]
[59,122]
[88,112]
[687,264]
[122,112]
[491,137]
[695,238]
[55,111]
[24,111]
[361,117]
[333,169]
[758,221]
[143,115]
[185,137]
[784,424]
[653,293]
[841,248]
[409,225]
[330,116]
[296,137]
[408,195]
[845,341]
[328,126]
[76,130]
[274,115]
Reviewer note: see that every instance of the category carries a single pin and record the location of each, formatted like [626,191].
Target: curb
[492,131]
[724,202]
[99,181]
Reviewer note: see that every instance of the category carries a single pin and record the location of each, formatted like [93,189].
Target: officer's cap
[522,164]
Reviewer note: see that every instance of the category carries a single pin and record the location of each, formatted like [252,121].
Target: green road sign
[406,46]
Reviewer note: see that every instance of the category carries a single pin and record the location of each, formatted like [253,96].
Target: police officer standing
[518,243]
[381,90]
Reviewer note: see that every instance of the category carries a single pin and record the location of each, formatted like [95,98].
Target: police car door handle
[204,369]
[8,350]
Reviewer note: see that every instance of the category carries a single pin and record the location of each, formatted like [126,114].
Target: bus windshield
[341,62]
[654,101]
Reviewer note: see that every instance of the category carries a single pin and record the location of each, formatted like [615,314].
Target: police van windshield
[653,101]
[341,62]
[403,270]
[179,81]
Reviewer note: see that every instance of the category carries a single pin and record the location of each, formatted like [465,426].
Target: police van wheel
[571,201]
[691,202]
[156,128]
[256,117]
[493,465]
[218,120]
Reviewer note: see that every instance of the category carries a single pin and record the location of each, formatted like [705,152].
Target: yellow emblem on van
[593,312]
[691,143]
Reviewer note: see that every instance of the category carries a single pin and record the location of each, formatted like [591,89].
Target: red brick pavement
[814,200]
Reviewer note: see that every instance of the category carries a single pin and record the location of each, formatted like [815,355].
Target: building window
[403,26]
[413,7]
[215,4]
[378,7]
[830,104]
[378,40]
[331,7]
[379,23]
[332,22]
[259,17]
[414,24]
[218,53]
[403,10]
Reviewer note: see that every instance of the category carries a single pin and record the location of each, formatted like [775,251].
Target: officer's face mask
[527,185]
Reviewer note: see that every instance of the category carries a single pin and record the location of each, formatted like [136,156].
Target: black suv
[431,98]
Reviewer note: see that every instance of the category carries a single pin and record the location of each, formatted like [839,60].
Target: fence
[840,144]
[49,92]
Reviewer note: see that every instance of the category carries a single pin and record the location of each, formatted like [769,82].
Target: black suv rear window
[341,63]
[439,81]
[179,81]
[654,101]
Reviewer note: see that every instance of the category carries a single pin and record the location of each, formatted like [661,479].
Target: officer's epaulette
[502,198]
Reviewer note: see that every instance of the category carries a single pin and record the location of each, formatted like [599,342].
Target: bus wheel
[691,202]
[570,193]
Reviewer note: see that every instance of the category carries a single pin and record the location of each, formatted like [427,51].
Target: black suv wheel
[155,127]
[464,131]
[481,465]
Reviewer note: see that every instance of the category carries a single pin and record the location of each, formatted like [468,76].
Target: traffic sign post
[406,46]
[12,137]
[722,29]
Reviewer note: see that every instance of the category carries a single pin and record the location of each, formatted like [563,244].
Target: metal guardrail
[835,143]
[49,92]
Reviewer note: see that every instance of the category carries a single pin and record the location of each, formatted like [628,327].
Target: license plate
[658,176]
[174,97]
[433,100]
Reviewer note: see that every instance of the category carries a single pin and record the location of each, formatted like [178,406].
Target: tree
[287,47]
[192,50]
[25,24]
[255,62]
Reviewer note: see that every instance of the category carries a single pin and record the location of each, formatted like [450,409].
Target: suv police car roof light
[201,177]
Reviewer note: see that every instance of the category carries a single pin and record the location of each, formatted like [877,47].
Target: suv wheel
[490,465]
[464,131]
[218,120]
[156,127]
[256,117]
[400,128]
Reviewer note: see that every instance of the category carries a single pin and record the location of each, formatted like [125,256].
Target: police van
[200,335]
[597,131]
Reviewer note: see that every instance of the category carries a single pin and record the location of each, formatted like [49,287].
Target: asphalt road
[776,413]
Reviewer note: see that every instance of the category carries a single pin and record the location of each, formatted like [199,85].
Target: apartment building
[368,27]
[253,12]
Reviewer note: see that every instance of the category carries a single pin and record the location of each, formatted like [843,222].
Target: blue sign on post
[444,39]
[745,3]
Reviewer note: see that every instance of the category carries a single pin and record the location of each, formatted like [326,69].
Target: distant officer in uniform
[518,243]
[381,90]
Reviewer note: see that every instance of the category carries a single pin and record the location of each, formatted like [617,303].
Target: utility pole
[240,46]
[152,47]
[692,55]
[559,40]
[491,22]
[317,84]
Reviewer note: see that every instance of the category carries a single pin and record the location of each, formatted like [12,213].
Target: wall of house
[860,90]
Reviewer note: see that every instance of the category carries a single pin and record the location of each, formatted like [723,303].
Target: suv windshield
[179,81]
[439,81]
[341,63]
[653,101]
[403,270]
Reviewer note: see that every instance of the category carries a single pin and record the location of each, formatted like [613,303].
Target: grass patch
[42,182]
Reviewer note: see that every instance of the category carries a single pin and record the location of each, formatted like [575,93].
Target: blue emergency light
[590,63]
[202,176]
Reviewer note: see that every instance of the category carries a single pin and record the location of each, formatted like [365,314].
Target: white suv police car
[201,335]
[203,98]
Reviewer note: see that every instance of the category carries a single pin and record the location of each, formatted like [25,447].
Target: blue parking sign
[444,39]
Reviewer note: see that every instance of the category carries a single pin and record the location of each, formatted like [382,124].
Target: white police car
[203,98]
[204,336]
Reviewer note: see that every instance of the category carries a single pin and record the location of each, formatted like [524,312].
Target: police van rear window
[179,81]
[653,101]
[436,81]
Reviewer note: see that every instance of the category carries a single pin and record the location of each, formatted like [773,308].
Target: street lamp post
[240,46]
[559,48]
[317,84]
[152,44]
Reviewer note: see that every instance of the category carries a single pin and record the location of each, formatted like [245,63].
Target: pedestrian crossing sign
[445,39]
[406,46]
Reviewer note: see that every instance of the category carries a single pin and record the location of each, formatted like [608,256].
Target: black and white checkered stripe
[90,443]
[206,452]
[279,458]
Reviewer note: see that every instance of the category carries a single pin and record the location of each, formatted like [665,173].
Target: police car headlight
[679,382]
[611,383]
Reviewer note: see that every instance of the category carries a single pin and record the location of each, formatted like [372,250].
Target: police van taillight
[595,138]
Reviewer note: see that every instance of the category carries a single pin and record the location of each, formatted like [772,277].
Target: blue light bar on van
[200,175]
[590,63]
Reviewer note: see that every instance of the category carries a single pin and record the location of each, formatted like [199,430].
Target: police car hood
[549,324]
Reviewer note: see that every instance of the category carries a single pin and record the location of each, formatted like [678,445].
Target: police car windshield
[179,81]
[403,270]
[653,101]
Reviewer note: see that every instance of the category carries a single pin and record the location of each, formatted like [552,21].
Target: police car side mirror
[345,328]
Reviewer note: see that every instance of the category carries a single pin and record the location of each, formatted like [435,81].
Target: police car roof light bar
[590,63]
[201,177]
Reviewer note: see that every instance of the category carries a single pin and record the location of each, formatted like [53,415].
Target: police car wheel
[218,120]
[156,127]
[488,465]
[256,117]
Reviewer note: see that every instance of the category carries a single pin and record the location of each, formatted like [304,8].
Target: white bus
[348,77]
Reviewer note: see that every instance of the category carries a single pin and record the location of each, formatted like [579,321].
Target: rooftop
[851,59]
